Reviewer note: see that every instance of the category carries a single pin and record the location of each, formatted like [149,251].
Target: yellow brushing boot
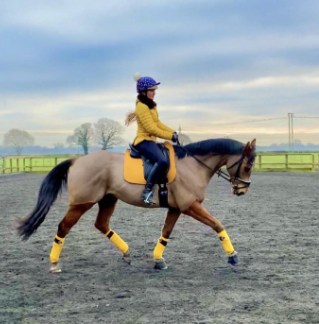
[120,244]
[55,254]
[228,247]
[160,263]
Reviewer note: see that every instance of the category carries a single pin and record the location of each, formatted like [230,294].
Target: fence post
[259,162]
[3,165]
[286,162]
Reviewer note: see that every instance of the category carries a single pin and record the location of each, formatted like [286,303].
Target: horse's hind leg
[106,208]
[70,219]
[170,221]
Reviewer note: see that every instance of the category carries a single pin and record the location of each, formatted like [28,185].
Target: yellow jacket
[149,127]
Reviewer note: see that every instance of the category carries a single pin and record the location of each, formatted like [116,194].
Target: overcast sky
[221,63]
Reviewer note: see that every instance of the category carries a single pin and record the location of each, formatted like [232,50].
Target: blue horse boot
[233,259]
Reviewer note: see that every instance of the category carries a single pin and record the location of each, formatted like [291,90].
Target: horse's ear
[253,144]
[247,149]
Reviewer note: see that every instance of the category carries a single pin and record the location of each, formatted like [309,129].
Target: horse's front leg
[170,221]
[197,211]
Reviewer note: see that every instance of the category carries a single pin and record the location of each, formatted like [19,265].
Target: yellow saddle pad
[134,169]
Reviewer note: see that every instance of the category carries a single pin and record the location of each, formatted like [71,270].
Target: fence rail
[2,164]
[264,162]
[30,164]
[287,162]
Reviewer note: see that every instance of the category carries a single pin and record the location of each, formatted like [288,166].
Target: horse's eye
[247,169]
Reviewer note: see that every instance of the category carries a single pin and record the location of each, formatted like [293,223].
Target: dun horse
[98,178]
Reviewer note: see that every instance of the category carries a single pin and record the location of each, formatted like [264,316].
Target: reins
[221,173]
[199,161]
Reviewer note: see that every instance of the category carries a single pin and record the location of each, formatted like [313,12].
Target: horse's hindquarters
[88,178]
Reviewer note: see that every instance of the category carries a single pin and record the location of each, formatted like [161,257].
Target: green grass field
[269,162]
[1,164]
[289,162]
[31,164]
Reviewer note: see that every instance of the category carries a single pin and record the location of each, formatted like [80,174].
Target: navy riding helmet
[145,83]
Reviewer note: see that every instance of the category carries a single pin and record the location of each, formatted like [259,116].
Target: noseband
[236,178]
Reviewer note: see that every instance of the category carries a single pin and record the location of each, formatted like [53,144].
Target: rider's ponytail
[130,118]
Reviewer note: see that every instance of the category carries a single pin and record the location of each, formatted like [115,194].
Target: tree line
[106,133]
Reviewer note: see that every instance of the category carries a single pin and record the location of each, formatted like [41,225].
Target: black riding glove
[175,138]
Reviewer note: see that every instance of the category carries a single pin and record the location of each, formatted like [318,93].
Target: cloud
[219,62]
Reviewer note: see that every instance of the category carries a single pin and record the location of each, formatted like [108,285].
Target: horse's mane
[213,146]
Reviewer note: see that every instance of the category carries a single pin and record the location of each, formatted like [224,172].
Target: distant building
[297,141]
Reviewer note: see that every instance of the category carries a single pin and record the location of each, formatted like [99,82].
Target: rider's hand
[175,138]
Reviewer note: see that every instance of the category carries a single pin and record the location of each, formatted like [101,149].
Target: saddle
[137,166]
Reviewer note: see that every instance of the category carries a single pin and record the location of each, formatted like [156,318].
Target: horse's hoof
[127,257]
[160,264]
[233,259]
[54,268]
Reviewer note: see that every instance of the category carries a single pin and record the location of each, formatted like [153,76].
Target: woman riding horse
[149,127]
[97,179]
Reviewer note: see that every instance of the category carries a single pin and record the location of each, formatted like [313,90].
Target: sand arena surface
[274,229]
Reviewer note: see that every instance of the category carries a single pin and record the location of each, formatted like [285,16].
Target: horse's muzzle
[238,191]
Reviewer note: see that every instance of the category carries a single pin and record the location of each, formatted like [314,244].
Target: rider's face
[150,94]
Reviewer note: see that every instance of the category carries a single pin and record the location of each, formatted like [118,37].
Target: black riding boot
[147,195]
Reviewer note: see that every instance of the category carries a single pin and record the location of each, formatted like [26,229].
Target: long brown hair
[130,118]
[146,101]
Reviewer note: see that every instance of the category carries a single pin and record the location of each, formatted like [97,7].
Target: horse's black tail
[50,188]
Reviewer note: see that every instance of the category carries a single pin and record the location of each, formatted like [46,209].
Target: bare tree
[19,139]
[71,141]
[82,136]
[107,133]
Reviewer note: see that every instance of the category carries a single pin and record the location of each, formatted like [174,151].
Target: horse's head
[240,170]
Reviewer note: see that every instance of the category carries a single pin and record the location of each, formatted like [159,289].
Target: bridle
[223,174]
[236,178]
